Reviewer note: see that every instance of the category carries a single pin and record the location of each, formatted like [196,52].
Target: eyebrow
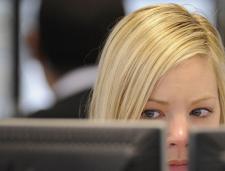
[203,99]
[193,102]
[158,101]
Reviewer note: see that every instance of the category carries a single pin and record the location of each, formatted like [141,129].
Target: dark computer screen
[207,150]
[63,145]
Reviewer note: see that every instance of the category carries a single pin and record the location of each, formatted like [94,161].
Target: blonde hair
[142,48]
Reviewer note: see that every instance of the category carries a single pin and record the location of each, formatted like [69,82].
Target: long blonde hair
[142,48]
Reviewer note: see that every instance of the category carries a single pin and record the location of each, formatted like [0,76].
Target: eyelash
[209,111]
[146,115]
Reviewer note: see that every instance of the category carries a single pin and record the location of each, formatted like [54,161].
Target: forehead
[194,76]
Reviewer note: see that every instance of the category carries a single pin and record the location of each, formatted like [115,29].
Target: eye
[151,114]
[201,112]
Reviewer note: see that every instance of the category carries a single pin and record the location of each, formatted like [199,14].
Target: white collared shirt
[75,81]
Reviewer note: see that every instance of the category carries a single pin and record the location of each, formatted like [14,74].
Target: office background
[23,88]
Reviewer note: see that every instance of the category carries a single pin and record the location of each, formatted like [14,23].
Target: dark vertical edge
[15,53]
[220,18]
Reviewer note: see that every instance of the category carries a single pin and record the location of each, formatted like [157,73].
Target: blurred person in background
[67,44]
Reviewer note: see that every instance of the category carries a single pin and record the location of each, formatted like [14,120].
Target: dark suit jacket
[71,107]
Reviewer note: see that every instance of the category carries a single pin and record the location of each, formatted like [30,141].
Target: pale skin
[186,96]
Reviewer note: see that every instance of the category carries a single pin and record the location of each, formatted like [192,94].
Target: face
[186,96]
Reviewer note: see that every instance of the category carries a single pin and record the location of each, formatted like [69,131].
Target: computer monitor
[207,150]
[69,145]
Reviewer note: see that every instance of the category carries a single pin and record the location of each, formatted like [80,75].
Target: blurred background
[24,87]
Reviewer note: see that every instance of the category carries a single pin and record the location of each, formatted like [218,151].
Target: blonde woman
[162,62]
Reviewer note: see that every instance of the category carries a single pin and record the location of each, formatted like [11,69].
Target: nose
[178,132]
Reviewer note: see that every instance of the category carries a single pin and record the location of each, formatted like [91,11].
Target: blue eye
[201,112]
[151,114]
